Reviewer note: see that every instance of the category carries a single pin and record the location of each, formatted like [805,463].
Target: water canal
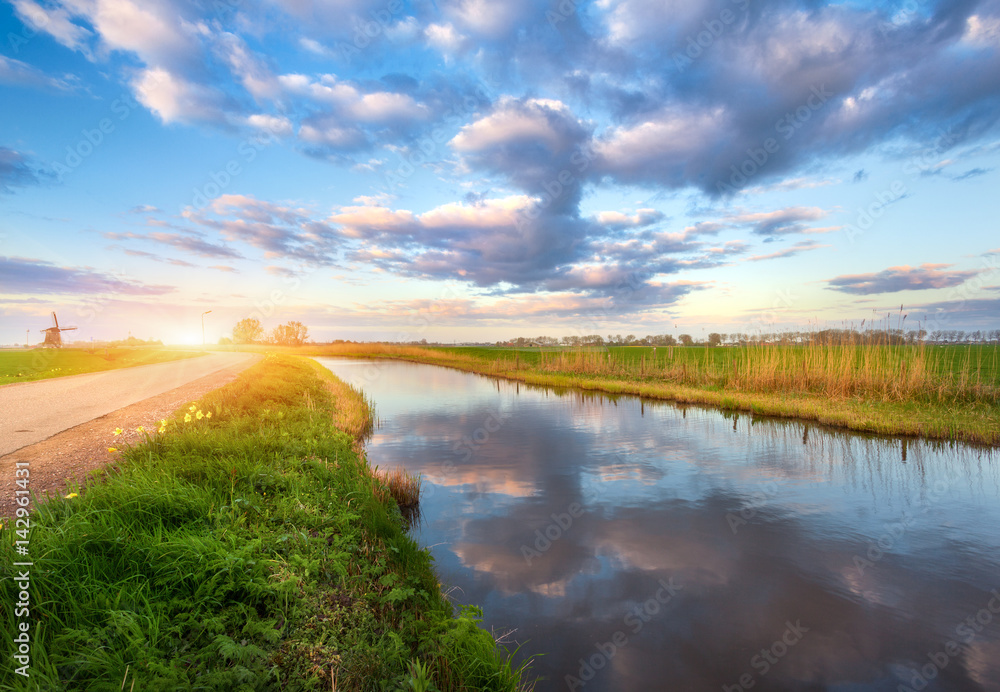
[644,545]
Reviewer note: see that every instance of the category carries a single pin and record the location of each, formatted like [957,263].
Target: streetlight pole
[203,327]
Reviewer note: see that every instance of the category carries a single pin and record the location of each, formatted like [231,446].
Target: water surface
[644,545]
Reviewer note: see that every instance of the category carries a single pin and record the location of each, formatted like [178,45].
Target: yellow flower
[140,429]
[208,415]
[118,431]
[187,417]
[162,429]
[71,496]
[200,415]
[112,450]
[193,408]
[163,423]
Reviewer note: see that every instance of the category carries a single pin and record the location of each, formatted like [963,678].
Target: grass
[940,392]
[44,363]
[253,549]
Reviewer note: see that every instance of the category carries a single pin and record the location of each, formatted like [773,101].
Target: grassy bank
[247,546]
[947,393]
[42,363]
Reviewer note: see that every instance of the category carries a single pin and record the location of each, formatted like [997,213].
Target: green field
[43,363]
[247,545]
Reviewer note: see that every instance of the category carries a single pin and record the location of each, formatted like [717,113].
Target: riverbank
[972,414]
[244,544]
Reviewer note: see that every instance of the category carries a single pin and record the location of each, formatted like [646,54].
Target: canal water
[642,545]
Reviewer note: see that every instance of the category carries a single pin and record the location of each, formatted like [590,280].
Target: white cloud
[277,125]
[55,21]
[174,99]
[512,121]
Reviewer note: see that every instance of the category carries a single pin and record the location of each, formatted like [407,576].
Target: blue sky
[475,170]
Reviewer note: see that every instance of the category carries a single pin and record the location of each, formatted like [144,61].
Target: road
[34,411]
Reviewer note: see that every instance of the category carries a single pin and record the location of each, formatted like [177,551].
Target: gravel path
[34,411]
[70,456]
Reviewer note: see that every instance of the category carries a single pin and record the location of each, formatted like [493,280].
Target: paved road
[34,411]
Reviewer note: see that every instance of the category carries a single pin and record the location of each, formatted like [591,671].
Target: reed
[402,486]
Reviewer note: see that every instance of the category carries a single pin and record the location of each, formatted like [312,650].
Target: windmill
[53,335]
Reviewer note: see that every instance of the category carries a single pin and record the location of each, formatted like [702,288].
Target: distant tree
[292,333]
[686,339]
[225,341]
[714,339]
[248,331]
[668,340]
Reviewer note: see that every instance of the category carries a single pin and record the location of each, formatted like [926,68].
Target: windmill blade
[55,320]
[67,329]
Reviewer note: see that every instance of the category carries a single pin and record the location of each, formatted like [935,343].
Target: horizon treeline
[822,336]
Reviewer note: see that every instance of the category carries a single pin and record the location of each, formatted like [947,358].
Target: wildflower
[112,450]
[187,417]
[192,408]
[208,415]
[140,429]
[162,429]
[163,423]
[70,496]
[118,431]
[200,415]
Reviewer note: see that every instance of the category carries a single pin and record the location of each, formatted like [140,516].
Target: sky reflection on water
[649,546]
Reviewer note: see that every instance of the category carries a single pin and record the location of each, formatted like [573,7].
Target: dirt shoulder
[70,456]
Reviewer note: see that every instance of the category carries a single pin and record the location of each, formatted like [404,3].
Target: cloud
[798,248]
[972,173]
[785,86]
[616,220]
[904,278]
[565,307]
[954,314]
[34,276]
[780,222]
[16,73]
[56,21]
[502,240]
[280,126]
[538,144]
[174,99]
[279,231]
[193,244]
[156,258]
[444,38]
[18,170]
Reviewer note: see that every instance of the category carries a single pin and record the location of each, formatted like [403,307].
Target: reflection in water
[642,545]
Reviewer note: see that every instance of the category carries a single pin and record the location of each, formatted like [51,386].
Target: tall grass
[246,551]
[877,371]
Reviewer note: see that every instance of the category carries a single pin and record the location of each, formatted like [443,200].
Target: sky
[475,170]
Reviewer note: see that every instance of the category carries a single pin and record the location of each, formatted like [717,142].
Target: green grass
[252,550]
[935,392]
[44,363]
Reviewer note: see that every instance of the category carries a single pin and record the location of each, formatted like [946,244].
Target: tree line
[824,336]
[250,331]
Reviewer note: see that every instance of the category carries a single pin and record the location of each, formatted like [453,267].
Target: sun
[188,339]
